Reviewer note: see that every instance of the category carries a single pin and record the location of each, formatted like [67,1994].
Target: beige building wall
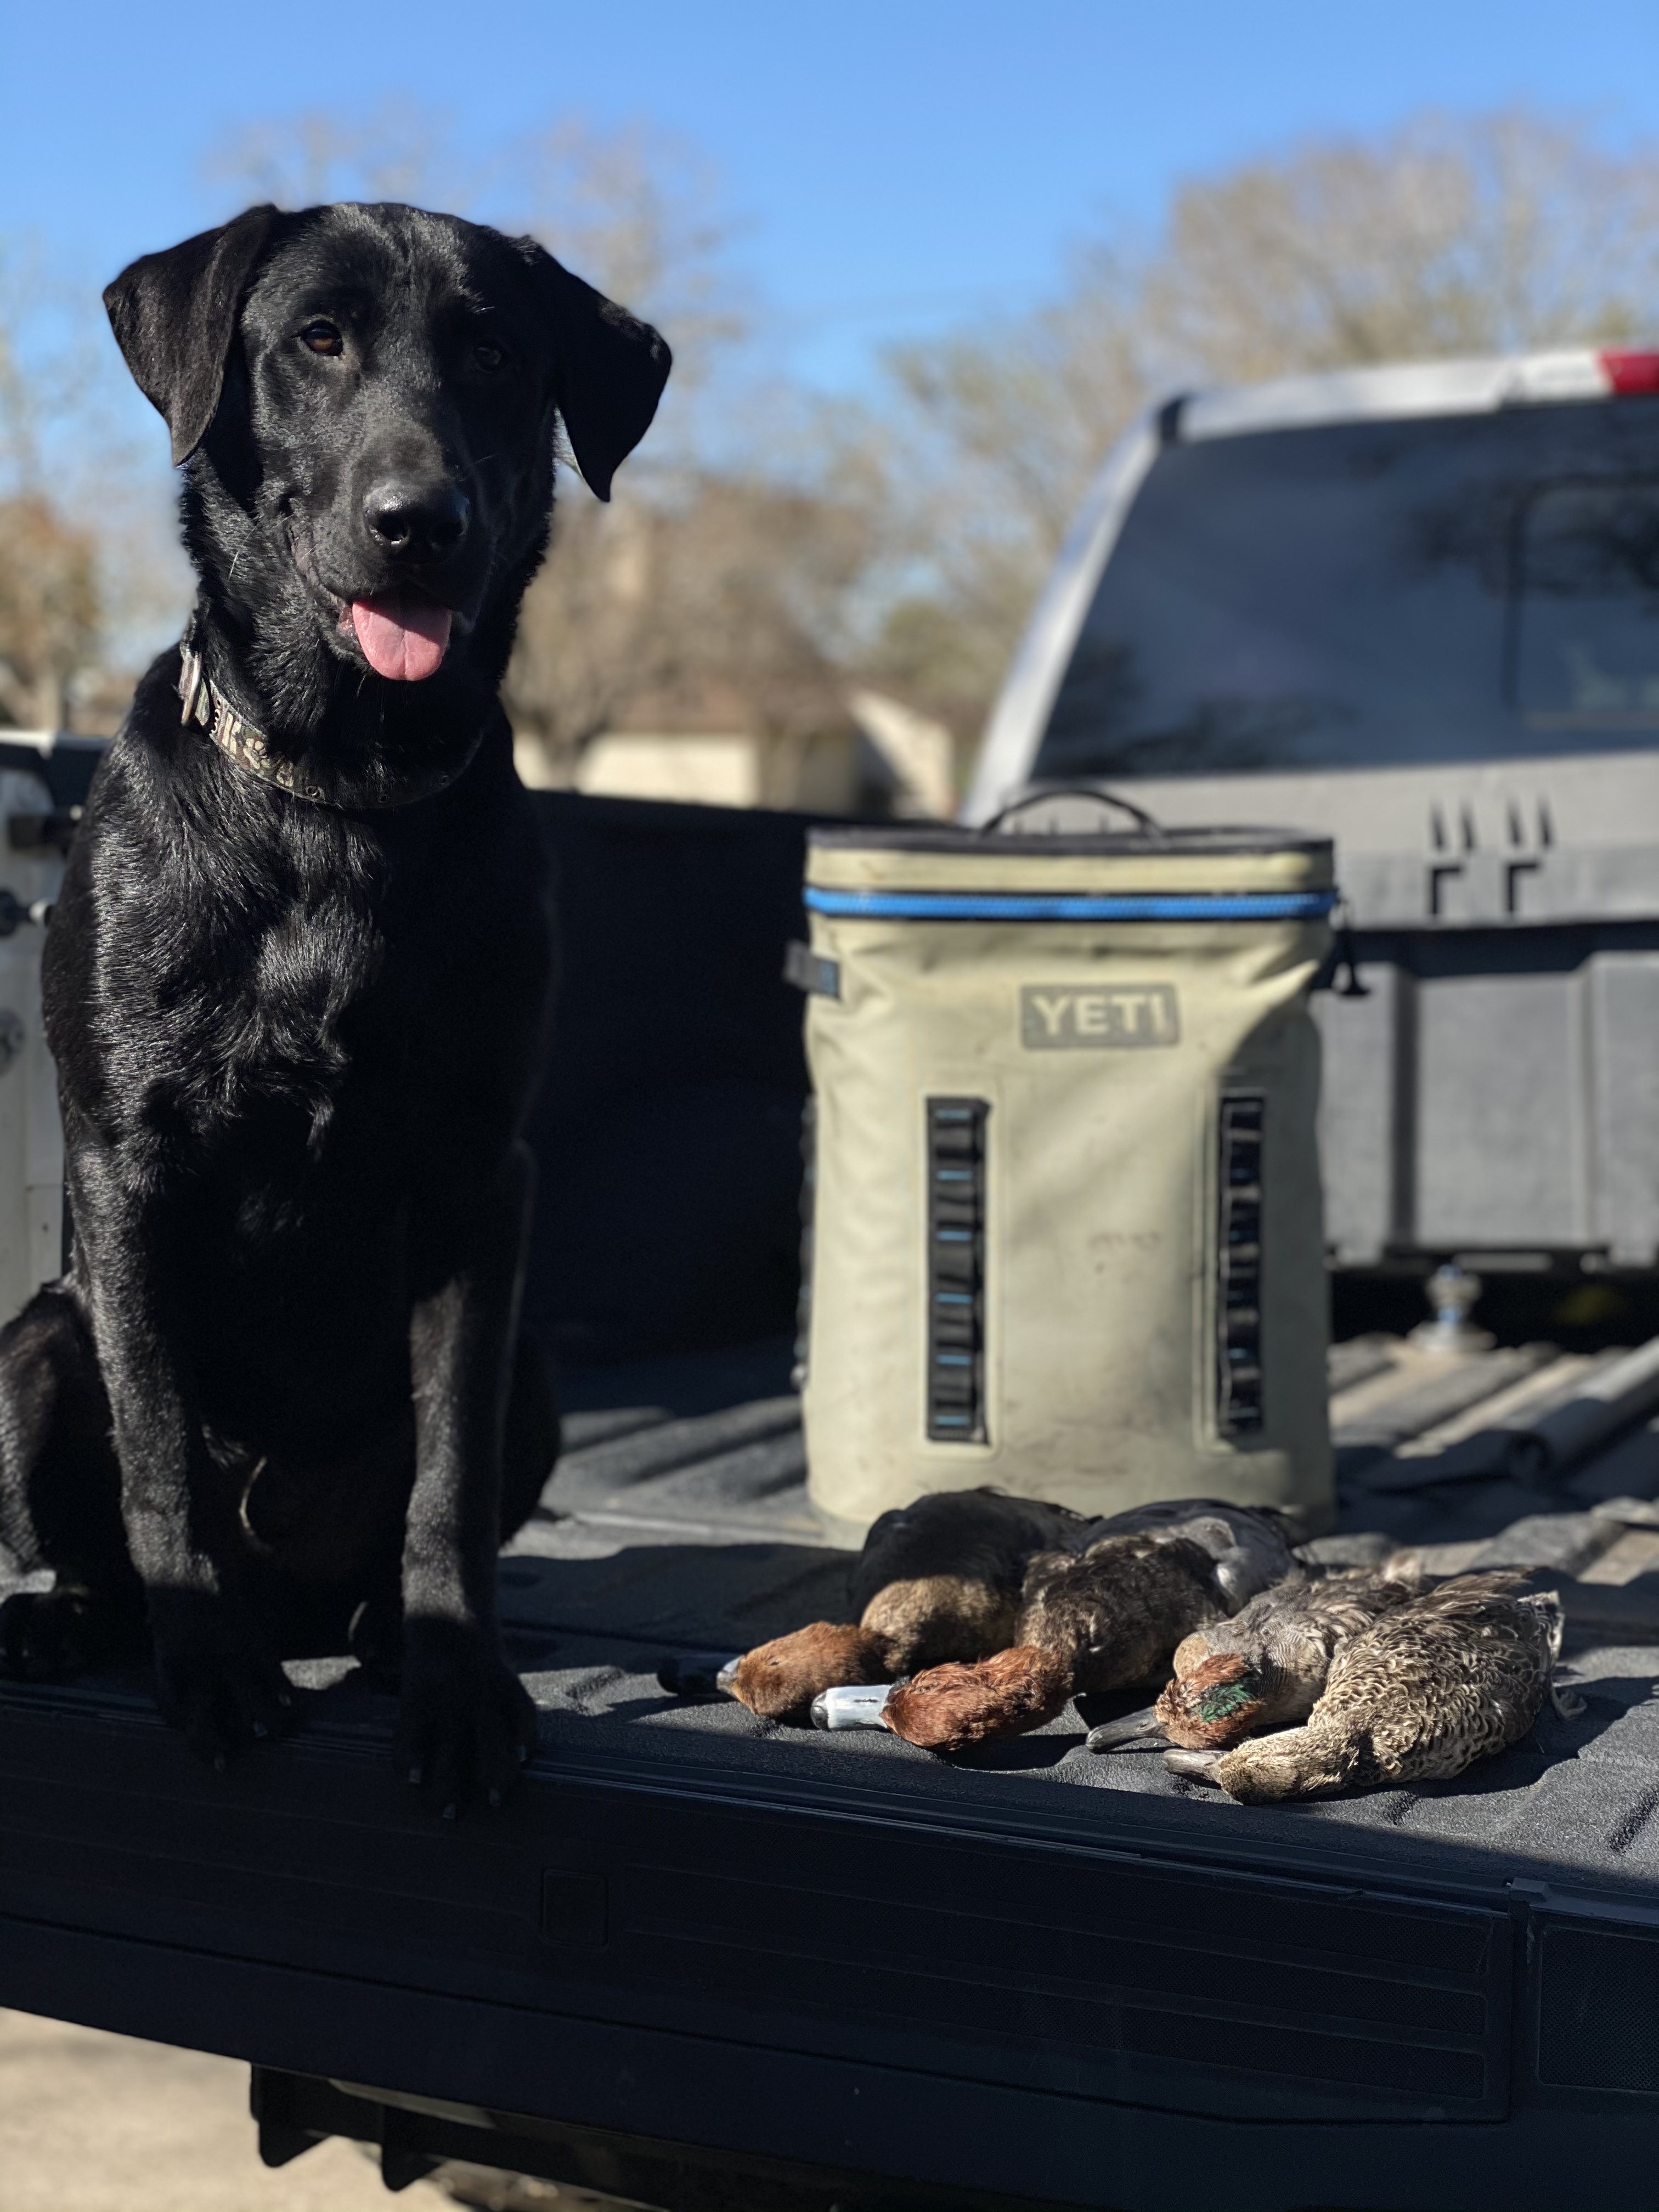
[887,758]
[820,774]
[714,771]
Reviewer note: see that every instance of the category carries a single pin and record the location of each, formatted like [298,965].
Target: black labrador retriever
[297,989]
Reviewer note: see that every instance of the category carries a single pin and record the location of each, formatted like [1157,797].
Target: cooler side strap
[955,1138]
[1239,1396]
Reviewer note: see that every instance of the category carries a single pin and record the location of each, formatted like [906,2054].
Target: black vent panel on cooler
[1239,1387]
[955,1270]
[1598,2013]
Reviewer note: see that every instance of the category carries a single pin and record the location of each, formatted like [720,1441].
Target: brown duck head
[1301,1762]
[779,1680]
[1219,1701]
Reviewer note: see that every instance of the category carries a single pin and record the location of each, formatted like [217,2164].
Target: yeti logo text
[1063,1017]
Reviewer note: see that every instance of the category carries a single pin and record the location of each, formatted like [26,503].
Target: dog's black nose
[417,522]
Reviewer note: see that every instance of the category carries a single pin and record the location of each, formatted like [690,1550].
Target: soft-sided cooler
[1066,1228]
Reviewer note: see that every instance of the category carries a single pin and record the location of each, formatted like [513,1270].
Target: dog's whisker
[253,531]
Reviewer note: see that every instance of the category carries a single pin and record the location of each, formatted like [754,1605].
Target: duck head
[1219,1701]
[779,1680]
[950,1707]
[1269,1770]
[1192,1651]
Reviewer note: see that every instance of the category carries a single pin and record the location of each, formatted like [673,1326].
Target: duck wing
[1118,1612]
[1446,1679]
[1250,1545]
[1297,1628]
[1171,1513]
[1250,1550]
[1344,1603]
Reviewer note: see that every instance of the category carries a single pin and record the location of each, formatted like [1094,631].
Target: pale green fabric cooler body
[1067,1228]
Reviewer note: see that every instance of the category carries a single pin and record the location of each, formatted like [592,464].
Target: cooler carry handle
[1137,814]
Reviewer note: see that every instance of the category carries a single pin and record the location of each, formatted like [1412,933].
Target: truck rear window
[1375,593]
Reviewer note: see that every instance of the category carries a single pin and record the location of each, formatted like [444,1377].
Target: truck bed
[708,1962]
[720,1967]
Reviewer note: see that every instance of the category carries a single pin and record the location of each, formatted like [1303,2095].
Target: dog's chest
[293,1009]
[320,1018]
[311,1001]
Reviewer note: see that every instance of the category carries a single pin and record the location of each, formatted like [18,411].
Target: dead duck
[1103,1620]
[939,1578]
[1430,1686]
[1266,1667]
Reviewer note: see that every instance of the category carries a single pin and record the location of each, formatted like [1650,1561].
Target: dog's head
[365,398]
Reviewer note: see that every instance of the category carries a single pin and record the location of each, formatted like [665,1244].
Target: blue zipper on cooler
[1020,906]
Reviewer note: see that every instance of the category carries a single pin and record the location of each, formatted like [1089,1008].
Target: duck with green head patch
[1267,1666]
[1428,1688]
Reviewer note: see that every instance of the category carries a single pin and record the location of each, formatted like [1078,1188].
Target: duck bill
[1196,1765]
[1130,1731]
[696,1674]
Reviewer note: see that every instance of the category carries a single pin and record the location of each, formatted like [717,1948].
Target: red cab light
[1632,372]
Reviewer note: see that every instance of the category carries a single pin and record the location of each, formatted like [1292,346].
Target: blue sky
[893,165]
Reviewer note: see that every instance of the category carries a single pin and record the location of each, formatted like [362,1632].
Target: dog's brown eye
[488,354]
[322,338]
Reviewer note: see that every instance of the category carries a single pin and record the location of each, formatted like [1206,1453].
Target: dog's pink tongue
[403,635]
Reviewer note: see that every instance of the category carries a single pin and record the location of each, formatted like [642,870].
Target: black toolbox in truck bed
[706,1963]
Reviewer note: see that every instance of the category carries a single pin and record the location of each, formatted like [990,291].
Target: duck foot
[1567,1702]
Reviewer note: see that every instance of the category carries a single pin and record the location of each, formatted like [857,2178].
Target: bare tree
[720,602]
[51,619]
[65,512]
[639,213]
[588,643]
[399,150]
[1447,236]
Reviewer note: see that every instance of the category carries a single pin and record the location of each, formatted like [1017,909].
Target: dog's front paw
[376,1640]
[47,1636]
[467,1724]
[216,1677]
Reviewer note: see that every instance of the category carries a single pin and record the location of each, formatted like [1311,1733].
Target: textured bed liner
[685,1525]
[677,1522]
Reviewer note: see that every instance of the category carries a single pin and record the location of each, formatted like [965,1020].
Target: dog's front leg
[466,1723]
[216,1675]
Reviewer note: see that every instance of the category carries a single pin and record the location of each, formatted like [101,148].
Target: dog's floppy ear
[610,369]
[175,315]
